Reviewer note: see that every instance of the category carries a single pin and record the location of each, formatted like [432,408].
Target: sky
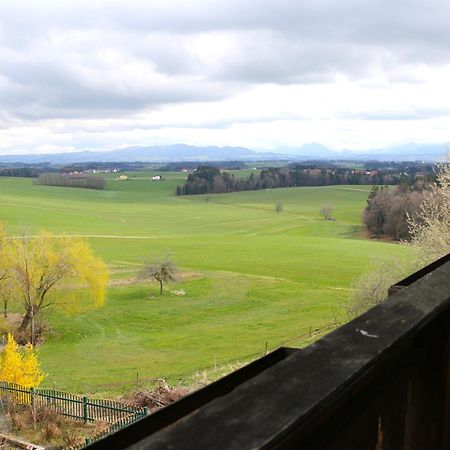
[264,74]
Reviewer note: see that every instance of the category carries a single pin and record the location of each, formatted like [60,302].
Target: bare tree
[71,180]
[326,212]
[5,273]
[387,210]
[6,294]
[278,207]
[160,269]
[430,231]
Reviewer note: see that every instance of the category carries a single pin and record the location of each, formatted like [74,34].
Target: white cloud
[82,74]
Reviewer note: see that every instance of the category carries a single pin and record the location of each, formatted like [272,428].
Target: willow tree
[45,268]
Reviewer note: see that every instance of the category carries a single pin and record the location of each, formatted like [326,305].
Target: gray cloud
[46,82]
[102,59]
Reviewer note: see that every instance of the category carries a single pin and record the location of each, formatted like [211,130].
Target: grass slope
[257,276]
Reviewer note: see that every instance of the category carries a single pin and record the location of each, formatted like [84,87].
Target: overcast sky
[99,75]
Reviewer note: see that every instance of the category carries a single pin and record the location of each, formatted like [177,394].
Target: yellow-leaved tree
[20,367]
[48,269]
[11,362]
[32,375]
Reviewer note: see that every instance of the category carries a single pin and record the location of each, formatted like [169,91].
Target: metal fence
[123,422]
[79,407]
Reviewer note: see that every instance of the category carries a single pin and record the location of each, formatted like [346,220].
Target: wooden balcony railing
[380,382]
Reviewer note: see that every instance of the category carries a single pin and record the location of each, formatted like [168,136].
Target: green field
[250,275]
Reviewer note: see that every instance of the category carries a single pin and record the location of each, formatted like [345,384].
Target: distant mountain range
[182,152]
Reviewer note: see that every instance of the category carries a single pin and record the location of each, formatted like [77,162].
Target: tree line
[211,180]
[191,165]
[71,180]
[90,165]
[23,172]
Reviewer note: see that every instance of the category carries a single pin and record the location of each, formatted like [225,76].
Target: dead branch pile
[159,396]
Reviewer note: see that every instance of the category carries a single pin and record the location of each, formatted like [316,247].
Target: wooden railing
[380,382]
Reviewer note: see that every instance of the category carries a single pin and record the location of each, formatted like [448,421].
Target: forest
[212,180]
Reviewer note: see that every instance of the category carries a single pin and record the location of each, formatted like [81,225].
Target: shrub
[20,367]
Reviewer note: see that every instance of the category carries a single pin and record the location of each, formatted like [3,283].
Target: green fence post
[85,409]
[145,411]
[88,440]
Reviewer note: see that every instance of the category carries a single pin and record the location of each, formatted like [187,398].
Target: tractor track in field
[350,189]
[101,214]
[101,236]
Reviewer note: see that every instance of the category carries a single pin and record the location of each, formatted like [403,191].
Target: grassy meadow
[250,275]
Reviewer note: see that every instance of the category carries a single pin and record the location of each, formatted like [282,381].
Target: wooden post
[32,395]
